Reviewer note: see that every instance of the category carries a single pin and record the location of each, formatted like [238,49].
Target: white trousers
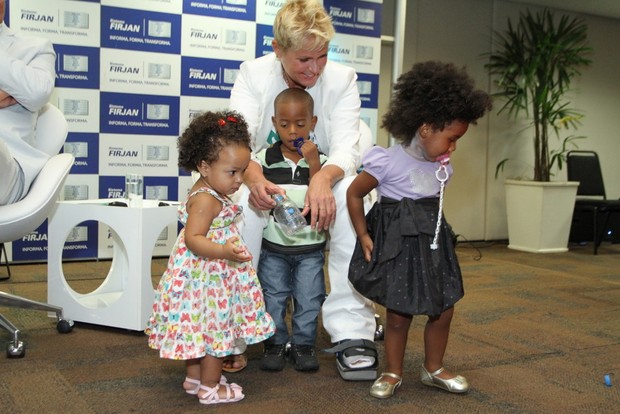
[12,178]
[346,313]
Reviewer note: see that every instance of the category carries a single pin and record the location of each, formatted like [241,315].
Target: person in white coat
[27,75]
[302,32]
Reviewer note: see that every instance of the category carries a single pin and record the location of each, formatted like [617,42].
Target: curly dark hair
[435,93]
[207,134]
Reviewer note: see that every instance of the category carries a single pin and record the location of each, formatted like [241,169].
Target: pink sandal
[196,383]
[233,394]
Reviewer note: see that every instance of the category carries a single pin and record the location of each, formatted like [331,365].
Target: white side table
[125,298]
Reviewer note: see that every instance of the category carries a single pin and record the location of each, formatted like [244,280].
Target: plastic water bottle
[287,214]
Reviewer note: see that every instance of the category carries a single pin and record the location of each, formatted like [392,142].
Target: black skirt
[405,274]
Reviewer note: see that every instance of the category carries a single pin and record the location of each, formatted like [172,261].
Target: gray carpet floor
[534,334]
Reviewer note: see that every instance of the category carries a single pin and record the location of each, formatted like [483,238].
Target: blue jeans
[300,276]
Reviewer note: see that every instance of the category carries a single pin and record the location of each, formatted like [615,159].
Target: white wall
[460,31]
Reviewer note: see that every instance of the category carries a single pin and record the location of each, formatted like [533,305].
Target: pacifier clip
[442,175]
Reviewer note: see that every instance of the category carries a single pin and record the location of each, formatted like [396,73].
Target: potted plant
[533,64]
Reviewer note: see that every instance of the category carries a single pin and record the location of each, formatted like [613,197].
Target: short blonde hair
[301,20]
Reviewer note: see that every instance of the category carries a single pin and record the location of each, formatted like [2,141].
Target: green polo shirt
[294,178]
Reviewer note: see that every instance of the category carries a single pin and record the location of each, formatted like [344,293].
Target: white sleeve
[27,72]
[342,123]
[244,99]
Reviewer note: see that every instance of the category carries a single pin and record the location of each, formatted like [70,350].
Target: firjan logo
[121,26]
[202,75]
[116,192]
[121,152]
[201,34]
[267,40]
[32,16]
[338,12]
[35,236]
[120,110]
[335,49]
[121,68]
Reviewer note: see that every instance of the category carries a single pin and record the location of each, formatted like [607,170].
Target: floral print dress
[204,306]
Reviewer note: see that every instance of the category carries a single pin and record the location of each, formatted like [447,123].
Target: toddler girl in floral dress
[209,298]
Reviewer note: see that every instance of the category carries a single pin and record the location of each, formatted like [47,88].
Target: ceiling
[605,8]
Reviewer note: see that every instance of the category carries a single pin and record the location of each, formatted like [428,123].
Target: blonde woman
[302,32]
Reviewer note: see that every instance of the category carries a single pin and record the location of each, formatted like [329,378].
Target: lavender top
[401,175]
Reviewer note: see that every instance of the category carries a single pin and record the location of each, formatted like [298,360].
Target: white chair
[19,219]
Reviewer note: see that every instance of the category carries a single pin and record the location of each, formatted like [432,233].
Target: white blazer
[336,105]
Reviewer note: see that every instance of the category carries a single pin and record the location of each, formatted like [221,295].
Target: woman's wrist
[253,175]
[332,174]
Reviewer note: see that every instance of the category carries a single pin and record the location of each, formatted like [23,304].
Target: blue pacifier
[298,143]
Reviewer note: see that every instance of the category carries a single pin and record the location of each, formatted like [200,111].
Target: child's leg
[192,376]
[191,384]
[212,391]
[308,288]
[274,274]
[397,330]
[193,368]
[210,370]
[436,335]
[435,342]
[308,295]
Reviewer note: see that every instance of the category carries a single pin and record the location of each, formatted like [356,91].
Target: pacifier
[442,171]
[443,159]
[298,143]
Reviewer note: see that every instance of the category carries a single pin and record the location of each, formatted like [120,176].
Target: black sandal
[352,348]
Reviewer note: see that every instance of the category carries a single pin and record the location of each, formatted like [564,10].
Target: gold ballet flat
[383,389]
[455,385]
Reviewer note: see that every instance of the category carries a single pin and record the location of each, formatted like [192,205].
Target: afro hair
[434,93]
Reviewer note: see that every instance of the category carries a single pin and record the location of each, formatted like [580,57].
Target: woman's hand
[261,192]
[320,201]
[6,100]
[261,189]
